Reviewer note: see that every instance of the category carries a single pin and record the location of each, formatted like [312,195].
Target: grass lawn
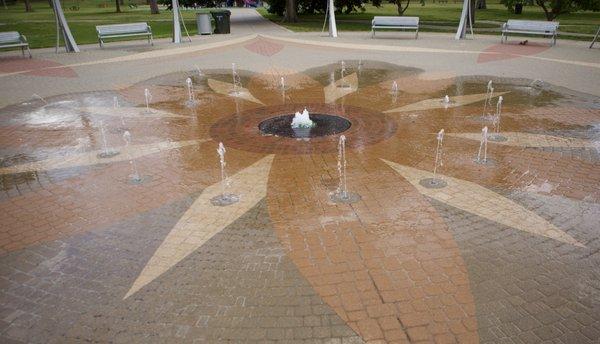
[39,25]
[40,28]
[443,17]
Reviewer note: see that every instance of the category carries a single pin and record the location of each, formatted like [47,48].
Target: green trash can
[221,18]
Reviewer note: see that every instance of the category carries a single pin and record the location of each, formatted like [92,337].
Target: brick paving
[286,264]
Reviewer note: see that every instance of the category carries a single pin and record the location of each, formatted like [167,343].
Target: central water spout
[302,120]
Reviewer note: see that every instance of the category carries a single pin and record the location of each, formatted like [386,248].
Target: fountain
[106,151]
[302,120]
[115,107]
[341,194]
[304,126]
[483,147]
[433,182]
[394,88]
[224,199]
[134,178]
[343,74]
[394,92]
[200,74]
[496,122]
[446,101]
[148,97]
[35,95]
[237,82]
[282,88]
[536,84]
[191,102]
[489,94]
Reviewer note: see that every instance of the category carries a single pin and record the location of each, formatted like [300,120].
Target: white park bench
[400,23]
[123,30]
[12,39]
[529,27]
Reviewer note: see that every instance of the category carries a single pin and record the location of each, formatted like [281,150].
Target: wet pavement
[505,251]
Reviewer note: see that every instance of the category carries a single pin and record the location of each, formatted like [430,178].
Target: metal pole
[332,24]
[465,19]
[70,44]
[176,24]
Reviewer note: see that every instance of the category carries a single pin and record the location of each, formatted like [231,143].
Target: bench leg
[29,51]
[100,42]
[23,51]
[372,33]
[151,40]
[417,34]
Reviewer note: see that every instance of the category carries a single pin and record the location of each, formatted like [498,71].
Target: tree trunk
[153,7]
[290,12]
[549,15]
[399,5]
[118,6]
[481,4]
[28,6]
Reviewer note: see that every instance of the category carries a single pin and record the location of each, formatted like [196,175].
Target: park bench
[401,23]
[13,39]
[529,27]
[123,30]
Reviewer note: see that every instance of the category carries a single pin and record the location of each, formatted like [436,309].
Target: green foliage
[190,3]
[510,4]
[318,6]
[553,8]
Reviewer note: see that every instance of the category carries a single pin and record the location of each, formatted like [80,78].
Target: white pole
[332,24]
[176,24]
[462,26]
[70,44]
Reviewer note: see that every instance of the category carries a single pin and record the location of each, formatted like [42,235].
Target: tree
[153,7]
[399,5]
[553,8]
[28,6]
[186,3]
[291,14]
[118,6]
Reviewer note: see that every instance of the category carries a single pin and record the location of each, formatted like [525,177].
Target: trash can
[204,23]
[221,21]
[518,8]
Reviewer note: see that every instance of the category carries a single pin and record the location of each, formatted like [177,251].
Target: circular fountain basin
[324,125]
